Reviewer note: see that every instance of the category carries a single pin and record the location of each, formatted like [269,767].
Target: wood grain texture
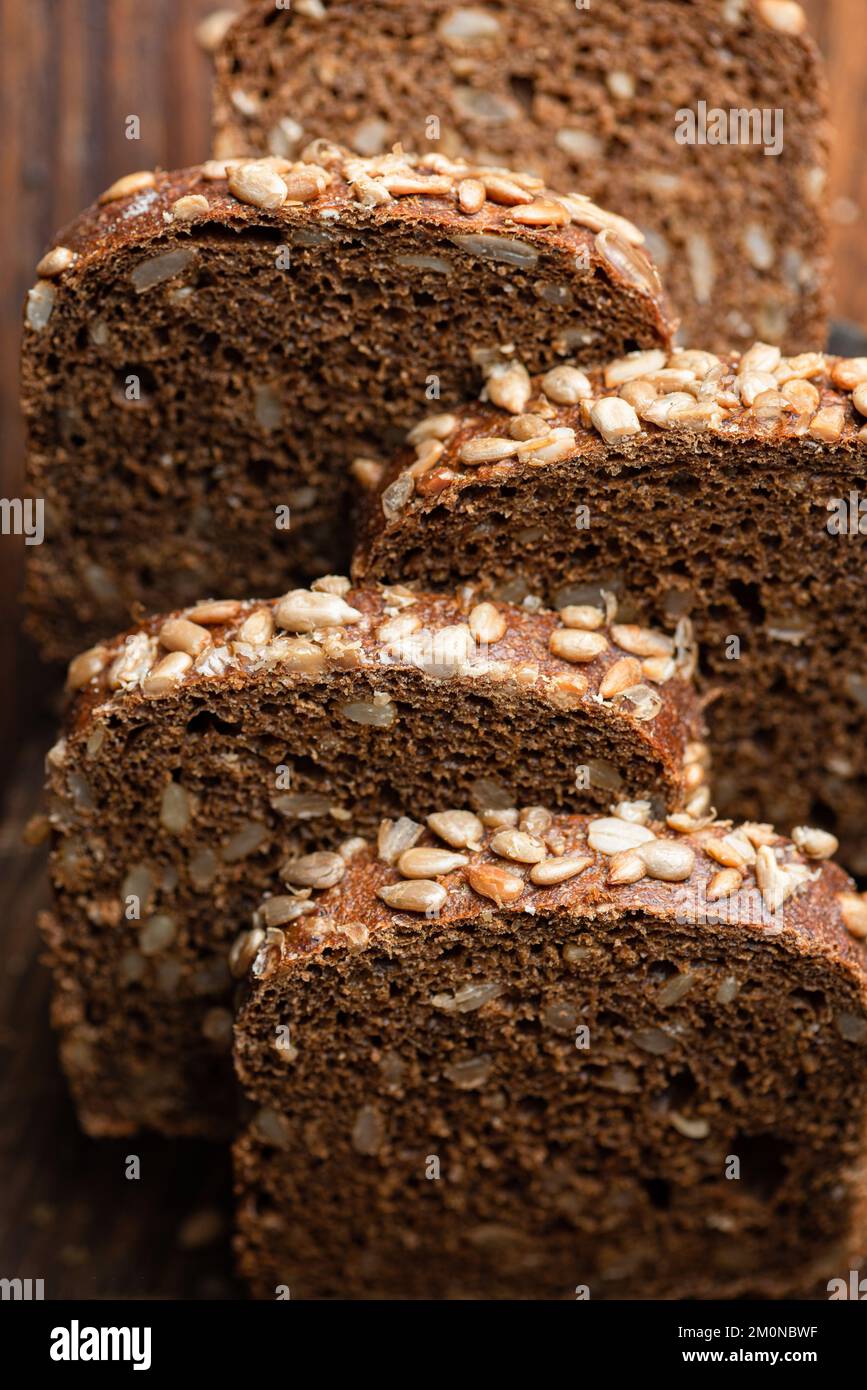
[838,25]
[71,72]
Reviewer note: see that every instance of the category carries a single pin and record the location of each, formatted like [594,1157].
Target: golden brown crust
[802,901]
[626,408]
[333,627]
[333,183]
[589,97]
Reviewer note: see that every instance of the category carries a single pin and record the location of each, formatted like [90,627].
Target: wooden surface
[71,71]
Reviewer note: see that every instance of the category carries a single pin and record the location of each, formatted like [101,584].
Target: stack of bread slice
[467,857]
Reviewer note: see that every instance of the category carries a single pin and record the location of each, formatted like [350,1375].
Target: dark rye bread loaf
[587,96]
[544,1065]
[205,355]
[729,489]
[205,752]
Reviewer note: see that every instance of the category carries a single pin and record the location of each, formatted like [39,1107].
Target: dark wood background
[71,71]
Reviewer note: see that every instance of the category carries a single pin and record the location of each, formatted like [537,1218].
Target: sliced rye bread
[205,355]
[205,750]
[730,489]
[635,1068]
[587,96]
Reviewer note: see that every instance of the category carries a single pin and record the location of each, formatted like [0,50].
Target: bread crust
[592,95]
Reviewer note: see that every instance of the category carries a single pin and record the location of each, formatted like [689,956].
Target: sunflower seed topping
[429,862]
[322,869]
[414,895]
[611,835]
[559,870]
[573,644]
[461,829]
[518,846]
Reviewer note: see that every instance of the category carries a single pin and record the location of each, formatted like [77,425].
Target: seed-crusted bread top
[695,870]
[646,400]
[493,213]
[640,680]
[586,96]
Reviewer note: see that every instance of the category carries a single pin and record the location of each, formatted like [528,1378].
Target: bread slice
[207,749]
[727,488]
[633,1069]
[205,355]
[628,101]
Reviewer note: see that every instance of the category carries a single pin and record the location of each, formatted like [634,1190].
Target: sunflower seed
[675,989]
[156,934]
[636,812]
[490,881]
[180,635]
[167,674]
[303,611]
[536,820]
[723,884]
[471,1074]
[258,184]
[322,869]
[471,196]
[772,879]
[249,836]
[574,644]
[622,675]
[849,372]
[396,836]
[518,846]
[190,207]
[542,212]
[429,862]
[690,1129]
[258,628]
[488,449]
[558,870]
[724,853]
[816,844]
[634,365]
[828,423]
[487,623]
[785,16]
[432,427]
[508,386]
[85,667]
[610,835]
[55,261]
[582,616]
[461,829]
[639,701]
[283,908]
[566,385]
[853,909]
[625,867]
[214,611]
[641,641]
[669,860]
[175,810]
[129,184]
[415,895]
[505,191]
[615,419]
[504,818]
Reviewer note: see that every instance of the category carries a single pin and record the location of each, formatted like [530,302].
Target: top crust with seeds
[574,870]
[372,641]
[589,103]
